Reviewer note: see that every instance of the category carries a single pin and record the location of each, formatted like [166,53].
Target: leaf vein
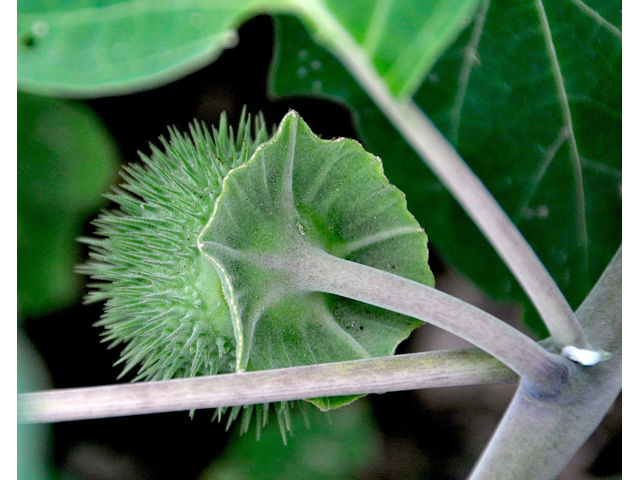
[538,175]
[376,238]
[568,123]
[601,168]
[599,19]
[376,26]
[470,59]
[331,322]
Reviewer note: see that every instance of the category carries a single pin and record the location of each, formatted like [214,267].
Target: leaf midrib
[567,130]
[568,124]
[599,19]
[470,57]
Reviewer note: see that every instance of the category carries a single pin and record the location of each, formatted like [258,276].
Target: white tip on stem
[584,357]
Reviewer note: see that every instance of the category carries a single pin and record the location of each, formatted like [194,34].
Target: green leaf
[66,159]
[539,119]
[100,48]
[543,135]
[401,39]
[297,196]
[87,48]
[318,449]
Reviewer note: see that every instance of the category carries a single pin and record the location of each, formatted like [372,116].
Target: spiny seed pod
[163,299]
[200,265]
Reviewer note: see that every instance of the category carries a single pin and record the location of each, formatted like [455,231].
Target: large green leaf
[530,95]
[539,119]
[66,158]
[107,47]
[101,48]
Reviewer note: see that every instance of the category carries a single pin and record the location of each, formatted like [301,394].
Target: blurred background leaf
[35,453]
[66,160]
[112,47]
[531,98]
[340,444]
[104,47]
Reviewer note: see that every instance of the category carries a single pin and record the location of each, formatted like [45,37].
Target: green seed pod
[202,266]
[163,298]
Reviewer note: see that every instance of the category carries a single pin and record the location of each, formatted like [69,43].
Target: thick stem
[441,157]
[540,434]
[317,270]
[377,375]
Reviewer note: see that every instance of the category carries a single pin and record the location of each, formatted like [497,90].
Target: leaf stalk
[320,271]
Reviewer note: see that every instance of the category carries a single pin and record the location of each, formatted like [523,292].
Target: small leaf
[296,195]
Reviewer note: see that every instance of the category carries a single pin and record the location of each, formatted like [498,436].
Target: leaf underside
[298,192]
